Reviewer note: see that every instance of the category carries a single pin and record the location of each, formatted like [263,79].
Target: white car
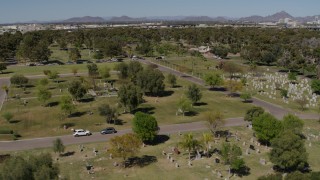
[81,132]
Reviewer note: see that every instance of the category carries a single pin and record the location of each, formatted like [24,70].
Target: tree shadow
[116,122]
[52,104]
[29,86]
[233,94]
[243,171]
[176,86]
[220,89]
[69,153]
[86,100]
[140,161]
[222,133]
[3,157]
[191,113]
[77,114]
[159,139]
[7,72]
[247,101]
[147,110]
[67,125]
[15,121]
[200,104]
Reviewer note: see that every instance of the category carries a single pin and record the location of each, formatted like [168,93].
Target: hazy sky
[26,10]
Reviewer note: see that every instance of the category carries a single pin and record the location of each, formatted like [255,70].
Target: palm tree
[189,143]
[206,138]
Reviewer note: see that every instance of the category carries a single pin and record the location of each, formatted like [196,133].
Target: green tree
[184,105]
[43,82]
[74,71]
[172,80]
[134,67]
[77,90]
[58,146]
[266,127]
[54,75]
[108,112]
[93,70]
[19,80]
[125,146]
[150,81]
[293,123]
[66,104]
[43,94]
[7,116]
[16,168]
[193,93]
[231,156]
[288,152]
[111,49]
[130,96]
[245,96]
[297,175]
[74,54]
[123,69]
[214,120]
[206,138]
[2,67]
[315,85]
[231,68]
[98,55]
[292,76]
[213,79]
[145,126]
[189,143]
[104,72]
[253,113]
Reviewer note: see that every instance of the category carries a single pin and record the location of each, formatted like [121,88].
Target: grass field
[157,166]
[35,120]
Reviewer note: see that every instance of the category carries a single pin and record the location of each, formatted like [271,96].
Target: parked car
[109,130]
[81,132]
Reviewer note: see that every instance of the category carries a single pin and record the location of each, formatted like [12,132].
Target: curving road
[97,137]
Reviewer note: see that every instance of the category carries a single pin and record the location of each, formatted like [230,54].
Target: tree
[214,120]
[266,127]
[7,116]
[220,51]
[284,93]
[293,123]
[43,82]
[123,69]
[16,168]
[206,138]
[98,55]
[245,96]
[150,81]
[74,54]
[315,85]
[66,104]
[292,76]
[231,68]
[234,86]
[288,152]
[302,102]
[108,112]
[74,71]
[253,113]
[134,68]
[43,94]
[184,105]
[213,79]
[125,146]
[77,90]
[93,70]
[268,57]
[53,75]
[58,146]
[193,93]
[172,80]
[2,67]
[104,72]
[111,49]
[231,156]
[145,126]
[189,143]
[130,96]
[19,80]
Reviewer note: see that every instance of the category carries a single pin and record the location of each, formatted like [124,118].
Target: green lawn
[35,120]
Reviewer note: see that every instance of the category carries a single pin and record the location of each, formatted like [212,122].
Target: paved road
[97,137]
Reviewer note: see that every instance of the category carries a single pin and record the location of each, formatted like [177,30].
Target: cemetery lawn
[157,166]
[36,120]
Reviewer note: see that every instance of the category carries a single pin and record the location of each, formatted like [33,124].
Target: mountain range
[255,18]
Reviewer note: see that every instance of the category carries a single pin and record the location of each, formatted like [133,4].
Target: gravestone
[164,153]
[177,165]
[247,152]
[244,143]
[258,151]
[189,163]
[219,174]
[168,156]
[262,161]
[110,156]
[217,160]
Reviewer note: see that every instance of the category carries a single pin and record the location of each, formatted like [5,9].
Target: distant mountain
[127,19]
[85,19]
[271,18]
